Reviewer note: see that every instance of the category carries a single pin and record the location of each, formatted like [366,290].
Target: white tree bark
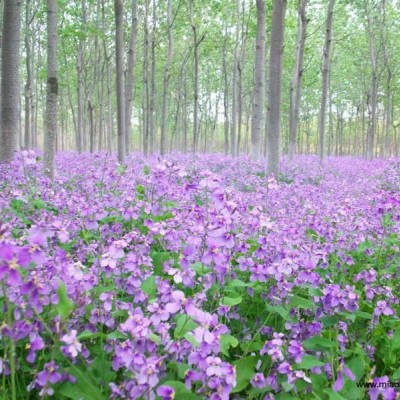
[295,83]
[10,79]
[259,81]
[275,87]
[164,119]
[325,79]
[52,89]
[119,56]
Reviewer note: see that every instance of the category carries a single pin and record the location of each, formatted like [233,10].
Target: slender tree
[119,61]
[129,77]
[164,120]
[275,86]
[372,125]
[259,81]
[10,79]
[325,79]
[295,83]
[52,89]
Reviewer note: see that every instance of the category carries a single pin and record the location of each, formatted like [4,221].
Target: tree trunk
[195,80]
[164,118]
[374,85]
[226,95]
[325,79]
[129,78]
[275,86]
[146,97]
[28,84]
[295,83]
[152,104]
[10,79]
[259,81]
[52,89]
[119,61]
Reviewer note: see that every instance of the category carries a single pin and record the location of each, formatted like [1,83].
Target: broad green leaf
[184,324]
[301,302]
[159,258]
[83,389]
[245,370]
[316,342]
[279,310]
[116,335]
[149,287]
[155,338]
[333,395]
[363,314]
[308,362]
[86,335]
[64,306]
[232,301]
[227,341]
[191,339]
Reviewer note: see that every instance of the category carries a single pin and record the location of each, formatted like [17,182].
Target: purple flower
[74,347]
[338,385]
[258,381]
[381,388]
[295,350]
[166,392]
[383,308]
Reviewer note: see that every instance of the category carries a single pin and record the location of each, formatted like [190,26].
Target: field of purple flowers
[199,278]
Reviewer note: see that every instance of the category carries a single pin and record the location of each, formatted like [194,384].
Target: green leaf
[301,302]
[333,395]
[86,335]
[330,321]
[316,342]
[121,169]
[82,389]
[363,314]
[159,258]
[149,287]
[191,339]
[396,375]
[245,370]
[102,369]
[239,283]
[395,341]
[278,310]
[227,341]
[232,301]
[64,306]
[308,362]
[200,269]
[287,386]
[116,335]
[181,392]
[184,324]
[155,338]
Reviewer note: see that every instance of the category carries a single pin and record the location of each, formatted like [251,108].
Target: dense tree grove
[189,77]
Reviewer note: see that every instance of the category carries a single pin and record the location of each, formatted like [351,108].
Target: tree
[325,79]
[167,68]
[52,89]
[275,86]
[129,77]
[295,83]
[259,81]
[373,103]
[119,61]
[10,79]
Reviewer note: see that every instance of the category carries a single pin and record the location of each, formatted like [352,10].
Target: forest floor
[199,277]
